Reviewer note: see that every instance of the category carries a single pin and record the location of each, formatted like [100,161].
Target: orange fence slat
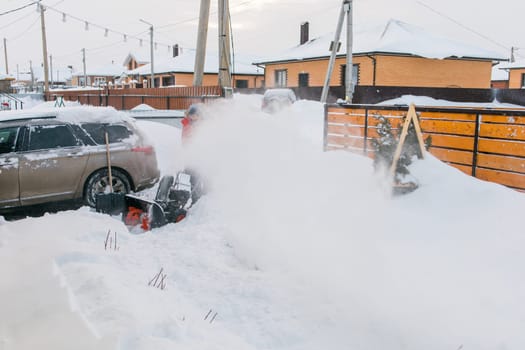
[451,141]
[355,142]
[452,156]
[349,130]
[448,127]
[346,119]
[503,131]
[502,177]
[502,119]
[448,116]
[501,162]
[511,148]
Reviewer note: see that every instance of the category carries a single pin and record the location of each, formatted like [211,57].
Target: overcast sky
[260,27]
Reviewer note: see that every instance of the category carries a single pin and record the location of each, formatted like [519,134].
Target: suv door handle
[74,154]
[8,162]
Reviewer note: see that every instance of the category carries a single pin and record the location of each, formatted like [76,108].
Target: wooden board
[447,116]
[503,131]
[502,177]
[346,119]
[448,127]
[453,156]
[511,148]
[501,162]
[346,130]
[451,141]
[502,119]
[346,141]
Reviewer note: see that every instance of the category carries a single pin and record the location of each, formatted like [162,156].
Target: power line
[20,8]
[462,25]
[27,29]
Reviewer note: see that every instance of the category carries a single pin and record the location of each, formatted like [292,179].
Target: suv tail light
[144,149]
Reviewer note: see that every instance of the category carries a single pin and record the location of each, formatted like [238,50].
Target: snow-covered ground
[291,248]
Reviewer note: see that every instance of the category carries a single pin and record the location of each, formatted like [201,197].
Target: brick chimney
[304,32]
[176,50]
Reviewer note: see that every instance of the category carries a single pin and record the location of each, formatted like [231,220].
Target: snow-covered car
[61,155]
[276,99]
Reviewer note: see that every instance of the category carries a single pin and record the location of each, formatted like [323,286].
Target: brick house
[516,72]
[179,70]
[398,54]
[108,74]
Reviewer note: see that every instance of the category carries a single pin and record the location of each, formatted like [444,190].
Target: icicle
[63,17]
[86,27]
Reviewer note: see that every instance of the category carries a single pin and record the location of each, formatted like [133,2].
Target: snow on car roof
[70,114]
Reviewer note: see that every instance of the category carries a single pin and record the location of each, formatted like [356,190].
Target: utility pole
[202,36]
[51,68]
[32,75]
[225,80]
[151,52]
[5,53]
[335,45]
[349,85]
[44,47]
[84,65]
[512,58]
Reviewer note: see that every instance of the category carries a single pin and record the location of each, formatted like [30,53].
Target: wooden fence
[486,143]
[126,99]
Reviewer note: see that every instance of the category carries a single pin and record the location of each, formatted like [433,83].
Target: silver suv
[61,155]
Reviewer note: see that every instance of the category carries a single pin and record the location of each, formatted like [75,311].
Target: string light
[65,18]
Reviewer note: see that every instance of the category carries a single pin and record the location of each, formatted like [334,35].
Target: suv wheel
[98,183]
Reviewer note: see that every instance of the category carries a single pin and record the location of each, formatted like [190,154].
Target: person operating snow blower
[175,194]
[192,118]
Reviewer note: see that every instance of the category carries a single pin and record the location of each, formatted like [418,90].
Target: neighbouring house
[516,72]
[101,76]
[5,83]
[500,77]
[179,71]
[398,54]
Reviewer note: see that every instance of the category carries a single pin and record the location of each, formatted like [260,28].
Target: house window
[355,74]
[523,81]
[241,83]
[304,79]
[168,81]
[100,81]
[281,78]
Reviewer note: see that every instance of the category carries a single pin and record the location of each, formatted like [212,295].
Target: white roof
[60,74]
[498,73]
[395,38]
[514,65]
[108,70]
[185,63]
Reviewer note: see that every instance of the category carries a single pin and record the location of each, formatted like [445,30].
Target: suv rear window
[116,132]
[8,139]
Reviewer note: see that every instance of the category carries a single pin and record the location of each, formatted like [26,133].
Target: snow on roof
[73,114]
[144,56]
[185,63]
[6,77]
[108,70]
[395,38]
[513,65]
[498,73]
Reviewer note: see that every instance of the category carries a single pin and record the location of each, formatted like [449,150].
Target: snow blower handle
[108,156]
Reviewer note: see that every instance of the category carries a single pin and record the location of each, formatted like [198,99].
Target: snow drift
[292,247]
